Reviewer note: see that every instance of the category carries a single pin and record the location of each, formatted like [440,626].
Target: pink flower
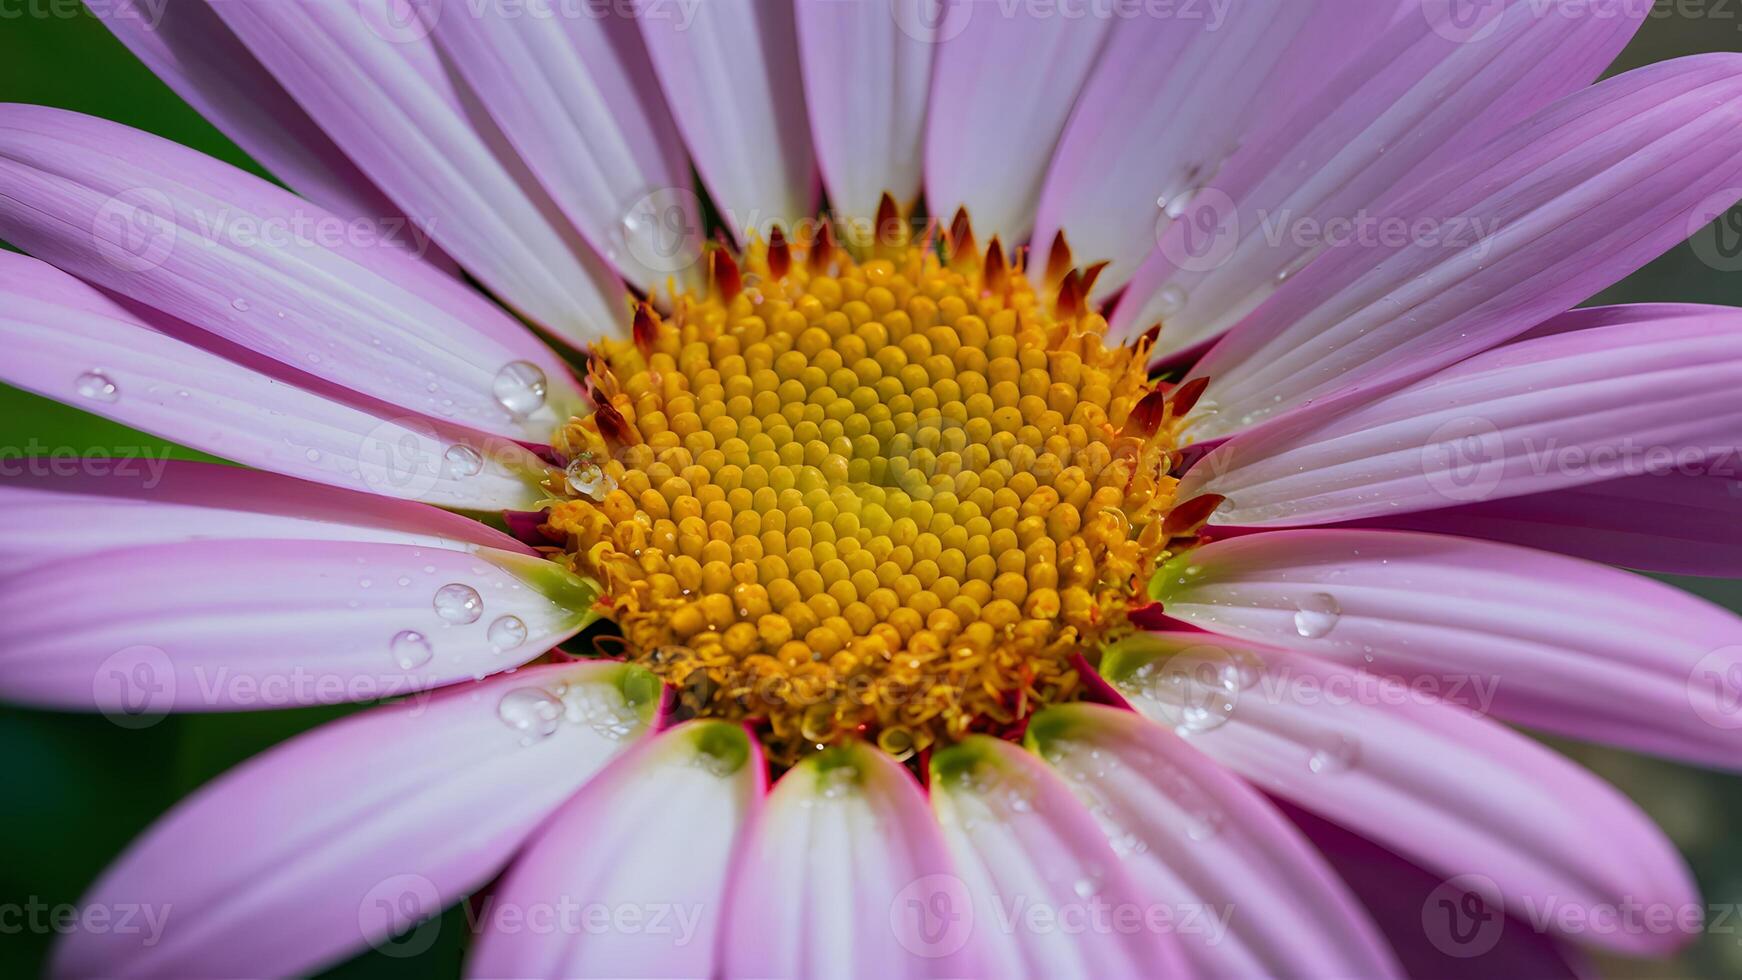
[1378,509]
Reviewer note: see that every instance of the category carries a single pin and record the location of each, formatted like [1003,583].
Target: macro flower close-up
[790,488]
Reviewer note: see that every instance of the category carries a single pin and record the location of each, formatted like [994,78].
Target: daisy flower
[1112,535]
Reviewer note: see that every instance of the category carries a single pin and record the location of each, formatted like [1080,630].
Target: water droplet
[839,782]
[1085,888]
[410,649]
[1243,669]
[239,304]
[1196,690]
[1170,300]
[96,386]
[1318,615]
[1203,824]
[532,711]
[520,388]
[1332,753]
[587,478]
[459,604]
[604,711]
[506,633]
[463,461]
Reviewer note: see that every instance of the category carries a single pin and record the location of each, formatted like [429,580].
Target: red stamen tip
[995,278]
[723,274]
[1186,396]
[779,254]
[646,330]
[1146,415]
[1188,517]
[1070,298]
[822,250]
[1091,274]
[612,425]
[961,237]
[1058,260]
[890,229]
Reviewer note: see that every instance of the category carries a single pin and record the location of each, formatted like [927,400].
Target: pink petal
[232,254]
[185,44]
[1563,645]
[577,98]
[1024,844]
[867,76]
[1430,91]
[845,873]
[353,832]
[996,64]
[1681,522]
[731,76]
[1169,100]
[370,75]
[1440,929]
[69,341]
[103,505]
[249,623]
[629,877]
[1552,412]
[1458,793]
[1581,194]
[1190,834]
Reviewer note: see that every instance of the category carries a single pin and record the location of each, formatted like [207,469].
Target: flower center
[887,495]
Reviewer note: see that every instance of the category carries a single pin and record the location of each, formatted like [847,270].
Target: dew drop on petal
[506,633]
[96,386]
[410,649]
[1203,824]
[239,304]
[1170,300]
[1317,615]
[463,461]
[520,388]
[1243,669]
[1196,693]
[532,711]
[1333,753]
[458,604]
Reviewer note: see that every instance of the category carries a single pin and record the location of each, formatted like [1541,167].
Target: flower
[871,498]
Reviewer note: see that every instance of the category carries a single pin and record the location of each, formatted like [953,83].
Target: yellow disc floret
[888,496]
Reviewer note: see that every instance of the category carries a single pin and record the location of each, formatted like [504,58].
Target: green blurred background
[79,788]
